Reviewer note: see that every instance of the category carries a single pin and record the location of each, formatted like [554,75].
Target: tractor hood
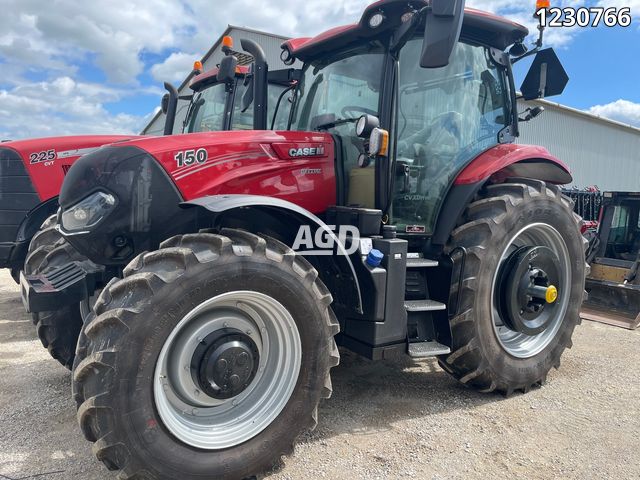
[126,198]
[46,160]
[212,163]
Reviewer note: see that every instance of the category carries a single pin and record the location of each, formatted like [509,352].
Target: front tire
[147,396]
[505,339]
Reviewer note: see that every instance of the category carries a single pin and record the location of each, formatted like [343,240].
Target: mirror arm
[406,31]
[538,46]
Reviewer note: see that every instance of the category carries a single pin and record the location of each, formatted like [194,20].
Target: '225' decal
[187,158]
[38,157]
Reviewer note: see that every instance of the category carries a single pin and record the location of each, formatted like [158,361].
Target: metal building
[269,42]
[600,152]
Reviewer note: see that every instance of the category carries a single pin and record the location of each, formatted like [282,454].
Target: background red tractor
[219,102]
[208,358]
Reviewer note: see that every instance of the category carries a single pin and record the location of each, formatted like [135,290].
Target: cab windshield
[207,110]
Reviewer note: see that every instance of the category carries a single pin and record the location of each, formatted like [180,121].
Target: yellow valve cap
[551,295]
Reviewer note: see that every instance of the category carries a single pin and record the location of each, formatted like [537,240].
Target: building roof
[585,114]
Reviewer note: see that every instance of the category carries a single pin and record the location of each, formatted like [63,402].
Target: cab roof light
[542,4]
[197,67]
[227,44]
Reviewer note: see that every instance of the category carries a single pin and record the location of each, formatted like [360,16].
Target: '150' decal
[187,158]
[39,157]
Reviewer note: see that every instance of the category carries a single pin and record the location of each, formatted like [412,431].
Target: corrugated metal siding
[599,152]
[271,46]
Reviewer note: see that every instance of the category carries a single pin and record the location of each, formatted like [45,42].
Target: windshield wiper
[335,123]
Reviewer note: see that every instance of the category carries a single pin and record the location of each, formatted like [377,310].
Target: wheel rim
[195,416]
[517,343]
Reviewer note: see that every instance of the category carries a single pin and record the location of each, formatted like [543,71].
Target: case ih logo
[307,152]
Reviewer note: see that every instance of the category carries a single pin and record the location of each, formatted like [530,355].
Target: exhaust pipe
[260,72]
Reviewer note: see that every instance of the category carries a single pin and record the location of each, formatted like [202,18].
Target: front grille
[17,194]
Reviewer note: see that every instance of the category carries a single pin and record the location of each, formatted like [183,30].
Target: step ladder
[431,348]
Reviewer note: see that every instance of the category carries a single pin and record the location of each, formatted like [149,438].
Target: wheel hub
[527,290]
[225,363]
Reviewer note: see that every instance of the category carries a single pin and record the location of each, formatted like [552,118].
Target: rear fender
[282,219]
[496,165]
[511,160]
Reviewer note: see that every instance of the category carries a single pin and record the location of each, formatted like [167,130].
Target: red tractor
[220,102]
[395,216]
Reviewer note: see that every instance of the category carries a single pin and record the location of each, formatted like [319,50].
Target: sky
[69,67]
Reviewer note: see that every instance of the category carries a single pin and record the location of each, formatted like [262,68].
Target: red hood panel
[48,159]
[293,166]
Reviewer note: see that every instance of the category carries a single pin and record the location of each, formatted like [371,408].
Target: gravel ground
[386,420]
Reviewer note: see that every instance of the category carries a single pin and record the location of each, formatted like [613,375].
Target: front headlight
[88,212]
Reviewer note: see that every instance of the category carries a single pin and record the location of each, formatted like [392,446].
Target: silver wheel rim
[518,344]
[212,424]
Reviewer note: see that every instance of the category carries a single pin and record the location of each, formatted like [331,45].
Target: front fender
[291,214]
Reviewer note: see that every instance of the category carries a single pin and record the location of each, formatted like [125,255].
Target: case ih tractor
[219,102]
[208,358]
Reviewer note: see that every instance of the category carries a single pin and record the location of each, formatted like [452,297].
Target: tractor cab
[222,97]
[613,284]
[429,123]
[216,105]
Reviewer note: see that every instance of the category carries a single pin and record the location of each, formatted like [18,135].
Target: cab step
[424,306]
[427,349]
[421,263]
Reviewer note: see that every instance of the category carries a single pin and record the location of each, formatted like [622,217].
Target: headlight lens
[88,212]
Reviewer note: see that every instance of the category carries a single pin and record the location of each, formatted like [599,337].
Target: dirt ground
[386,420]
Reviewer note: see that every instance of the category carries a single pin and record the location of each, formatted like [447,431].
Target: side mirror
[227,69]
[531,113]
[164,103]
[546,78]
[441,33]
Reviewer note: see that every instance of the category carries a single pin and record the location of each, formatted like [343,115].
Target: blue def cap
[374,259]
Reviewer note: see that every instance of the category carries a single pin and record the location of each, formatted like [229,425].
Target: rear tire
[120,379]
[58,330]
[486,354]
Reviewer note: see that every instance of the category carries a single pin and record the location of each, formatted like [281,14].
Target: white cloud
[174,68]
[621,110]
[63,107]
[117,32]
[55,39]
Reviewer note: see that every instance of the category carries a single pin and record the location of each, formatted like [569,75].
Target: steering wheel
[348,110]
